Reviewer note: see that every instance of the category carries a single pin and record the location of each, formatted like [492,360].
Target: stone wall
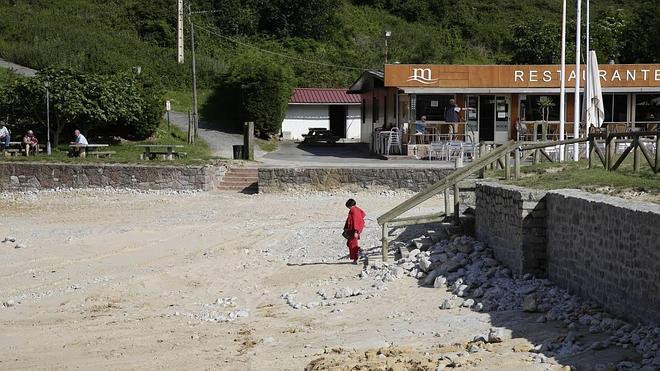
[607,249]
[512,221]
[23,176]
[320,179]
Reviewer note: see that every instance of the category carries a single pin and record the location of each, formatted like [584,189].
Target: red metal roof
[323,96]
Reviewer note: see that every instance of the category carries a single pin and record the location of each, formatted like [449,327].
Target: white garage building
[332,109]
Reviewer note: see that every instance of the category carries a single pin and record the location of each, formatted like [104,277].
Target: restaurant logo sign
[422,75]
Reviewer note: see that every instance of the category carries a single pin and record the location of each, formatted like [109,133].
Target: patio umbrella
[593,95]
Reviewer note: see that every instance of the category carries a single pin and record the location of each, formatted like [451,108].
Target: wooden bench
[99,154]
[168,153]
[16,148]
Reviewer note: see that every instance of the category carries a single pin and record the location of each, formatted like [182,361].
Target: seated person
[5,138]
[80,143]
[420,126]
[30,143]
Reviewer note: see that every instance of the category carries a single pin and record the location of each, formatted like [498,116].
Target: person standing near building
[30,143]
[353,229]
[453,116]
[5,137]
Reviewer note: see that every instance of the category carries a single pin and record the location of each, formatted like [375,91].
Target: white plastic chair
[454,149]
[393,139]
[438,148]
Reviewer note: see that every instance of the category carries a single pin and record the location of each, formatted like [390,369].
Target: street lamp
[47,85]
[387,36]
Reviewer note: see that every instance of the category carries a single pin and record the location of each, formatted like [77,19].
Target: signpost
[168,108]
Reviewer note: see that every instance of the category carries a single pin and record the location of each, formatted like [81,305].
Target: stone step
[239,178]
[238,182]
[243,170]
[250,190]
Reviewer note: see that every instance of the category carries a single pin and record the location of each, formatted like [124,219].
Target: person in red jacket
[353,229]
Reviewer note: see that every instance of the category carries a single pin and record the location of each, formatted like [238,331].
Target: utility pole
[562,85]
[47,85]
[194,74]
[179,32]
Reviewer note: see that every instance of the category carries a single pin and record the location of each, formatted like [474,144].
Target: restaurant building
[496,99]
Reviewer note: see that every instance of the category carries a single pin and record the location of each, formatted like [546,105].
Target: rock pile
[468,269]
[214,312]
[18,245]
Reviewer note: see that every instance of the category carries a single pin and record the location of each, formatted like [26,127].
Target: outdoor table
[169,150]
[91,149]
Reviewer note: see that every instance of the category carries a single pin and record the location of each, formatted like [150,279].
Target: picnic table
[15,148]
[91,150]
[320,135]
[168,151]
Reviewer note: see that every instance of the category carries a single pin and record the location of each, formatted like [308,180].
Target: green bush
[255,89]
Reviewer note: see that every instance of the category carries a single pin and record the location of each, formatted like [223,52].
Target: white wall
[299,118]
[369,124]
[353,123]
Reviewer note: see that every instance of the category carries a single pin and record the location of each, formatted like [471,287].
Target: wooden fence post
[447,201]
[657,152]
[507,168]
[590,152]
[385,243]
[482,172]
[516,162]
[248,141]
[636,150]
[456,204]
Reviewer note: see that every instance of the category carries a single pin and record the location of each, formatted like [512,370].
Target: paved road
[220,142]
[21,70]
[340,155]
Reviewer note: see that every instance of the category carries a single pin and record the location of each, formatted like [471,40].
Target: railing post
[482,172]
[516,162]
[537,157]
[636,150]
[610,147]
[385,243]
[566,148]
[590,151]
[456,204]
[507,168]
[447,201]
[657,152]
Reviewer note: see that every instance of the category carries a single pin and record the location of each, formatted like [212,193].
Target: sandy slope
[103,275]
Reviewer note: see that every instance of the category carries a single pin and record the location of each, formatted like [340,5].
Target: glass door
[502,118]
[472,117]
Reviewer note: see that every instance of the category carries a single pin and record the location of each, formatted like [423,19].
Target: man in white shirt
[5,138]
[80,139]
[80,144]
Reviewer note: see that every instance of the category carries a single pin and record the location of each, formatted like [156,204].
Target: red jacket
[355,220]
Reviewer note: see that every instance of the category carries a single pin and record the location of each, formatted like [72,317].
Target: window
[363,110]
[647,108]
[616,107]
[375,110]
[432,106]
[531,107]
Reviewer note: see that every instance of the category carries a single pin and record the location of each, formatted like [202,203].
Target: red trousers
[353,248]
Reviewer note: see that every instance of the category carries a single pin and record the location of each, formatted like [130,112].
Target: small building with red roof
[328,108]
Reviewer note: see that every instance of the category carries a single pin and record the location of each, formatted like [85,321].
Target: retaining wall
[607,249]
[22,176]
[603,248]
[283,179]
[512,221]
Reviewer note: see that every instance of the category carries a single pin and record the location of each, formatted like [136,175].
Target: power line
[276,53]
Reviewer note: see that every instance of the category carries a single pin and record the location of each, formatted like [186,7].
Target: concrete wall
[512,221]
[22,176]
[283,179]
[607,249]
[603,248]
[300,117]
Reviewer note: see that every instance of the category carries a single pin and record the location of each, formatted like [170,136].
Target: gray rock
[446,304]
[496,335]
[404,252]
[479,307]
[9,303]
[414,253]
[344,292]
[468,303]
[439,282]
[529,303]
[424,264]
[20,245]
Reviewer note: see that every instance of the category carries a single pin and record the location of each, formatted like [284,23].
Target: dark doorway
[487,117]
[338,120]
